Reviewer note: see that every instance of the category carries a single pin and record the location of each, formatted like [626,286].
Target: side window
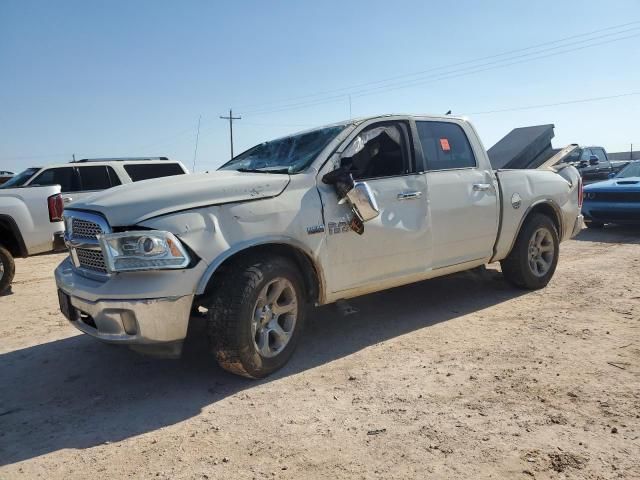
[63,176]
[113,176]
[586,154]
[445,145]
[598,152]
[378,151]
[94,178]
[141,171]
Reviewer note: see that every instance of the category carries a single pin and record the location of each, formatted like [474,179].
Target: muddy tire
[256,315]
[534,257]
[7,269]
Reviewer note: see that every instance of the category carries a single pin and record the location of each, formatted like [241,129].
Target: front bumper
[110,311]
[612,212]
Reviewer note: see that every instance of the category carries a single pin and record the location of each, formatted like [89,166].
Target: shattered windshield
[285,155]
[20,179]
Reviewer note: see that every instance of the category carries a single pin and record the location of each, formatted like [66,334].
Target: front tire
[534,257]
[7,269]
[256,315]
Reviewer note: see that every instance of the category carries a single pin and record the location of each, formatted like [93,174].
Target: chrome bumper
[103,310]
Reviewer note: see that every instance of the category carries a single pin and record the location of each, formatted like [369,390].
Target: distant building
[635,155]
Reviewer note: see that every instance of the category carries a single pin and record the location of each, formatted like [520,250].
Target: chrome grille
[81,238]
[91,260]
[85,229]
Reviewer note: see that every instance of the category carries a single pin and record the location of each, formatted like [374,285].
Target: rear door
[462,193]
[397,243]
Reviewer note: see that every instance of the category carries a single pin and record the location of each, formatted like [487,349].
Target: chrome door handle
[409,195]
[67,199]
[481,187]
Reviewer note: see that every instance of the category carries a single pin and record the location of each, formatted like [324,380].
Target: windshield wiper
[263,170]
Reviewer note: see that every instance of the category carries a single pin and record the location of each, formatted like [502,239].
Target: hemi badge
[315,229]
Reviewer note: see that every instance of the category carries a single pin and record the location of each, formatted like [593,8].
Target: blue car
[616,200]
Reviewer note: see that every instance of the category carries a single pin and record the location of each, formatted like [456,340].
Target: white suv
[83,177]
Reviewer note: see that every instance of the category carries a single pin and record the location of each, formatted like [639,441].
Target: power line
[568,102]
[451,74]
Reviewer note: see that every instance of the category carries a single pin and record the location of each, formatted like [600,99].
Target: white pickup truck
[324,215]
[30,223]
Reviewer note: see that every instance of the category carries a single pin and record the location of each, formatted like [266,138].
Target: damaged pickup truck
[309,219]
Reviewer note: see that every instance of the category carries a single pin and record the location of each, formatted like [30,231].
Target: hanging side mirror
[363,202]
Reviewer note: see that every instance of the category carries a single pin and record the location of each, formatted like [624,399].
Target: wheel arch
[546,207]
[288,248]
[11,238]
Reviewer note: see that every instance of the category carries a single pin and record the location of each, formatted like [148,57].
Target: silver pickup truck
[309,219]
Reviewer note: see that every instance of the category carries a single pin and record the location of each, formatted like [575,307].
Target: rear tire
[534,257]
[256,315]
[7,269]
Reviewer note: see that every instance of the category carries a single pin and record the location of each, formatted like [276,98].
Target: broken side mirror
[363,202]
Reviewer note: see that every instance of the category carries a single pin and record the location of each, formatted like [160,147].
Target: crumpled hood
[615,183]
[133,203]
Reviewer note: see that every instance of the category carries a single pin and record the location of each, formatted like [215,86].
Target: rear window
[141,171]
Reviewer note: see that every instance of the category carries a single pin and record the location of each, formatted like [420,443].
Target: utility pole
[231,118]
[350,116]
[631,152]
[74,157]
[195,152]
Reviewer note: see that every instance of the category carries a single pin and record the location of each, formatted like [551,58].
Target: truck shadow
[611,234]
[78,393]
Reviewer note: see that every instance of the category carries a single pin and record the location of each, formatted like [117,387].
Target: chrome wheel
[541,252]
[274,317]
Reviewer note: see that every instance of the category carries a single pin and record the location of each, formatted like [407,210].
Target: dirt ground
[460,377]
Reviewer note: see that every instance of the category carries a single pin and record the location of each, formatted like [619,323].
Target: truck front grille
[91,260]
[82,240]
[85,229]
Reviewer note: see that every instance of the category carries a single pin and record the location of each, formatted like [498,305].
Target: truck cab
[308,219]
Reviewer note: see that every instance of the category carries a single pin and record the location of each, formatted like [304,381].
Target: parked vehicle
[591,162]
[616,200]
[30,223]
[327,214]
[5,176]
[84,177]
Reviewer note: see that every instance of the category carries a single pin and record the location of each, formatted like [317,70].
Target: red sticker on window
[444,144]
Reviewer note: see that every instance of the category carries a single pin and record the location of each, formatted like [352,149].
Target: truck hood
[629,183]
[133,203]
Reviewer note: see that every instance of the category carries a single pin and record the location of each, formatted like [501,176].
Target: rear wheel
[533,259]
[7,269]
[256,315]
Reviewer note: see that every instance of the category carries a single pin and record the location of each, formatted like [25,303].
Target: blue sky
[125,78]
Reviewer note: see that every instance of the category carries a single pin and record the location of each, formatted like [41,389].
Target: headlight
[143,250]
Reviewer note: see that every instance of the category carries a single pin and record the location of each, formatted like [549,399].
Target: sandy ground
[461,377]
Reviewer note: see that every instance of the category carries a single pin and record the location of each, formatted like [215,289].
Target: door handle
[67,199]
[409,195]
[481,187]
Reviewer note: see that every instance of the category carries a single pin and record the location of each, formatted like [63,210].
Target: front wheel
[256,315]
[7,269]
[534,257]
